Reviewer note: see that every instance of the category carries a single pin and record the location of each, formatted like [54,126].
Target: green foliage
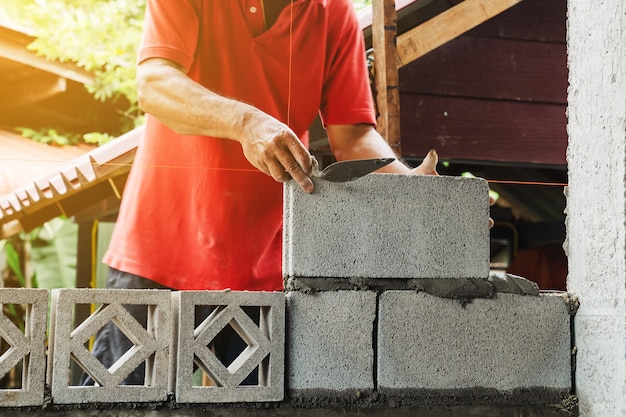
[97,138]
[54,253]
[53,137]
[49,136]
[99,35]
[14,263]
[11,11]
[361,4]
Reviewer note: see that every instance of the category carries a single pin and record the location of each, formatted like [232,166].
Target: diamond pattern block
[252,371]
[151,345]
[25,347]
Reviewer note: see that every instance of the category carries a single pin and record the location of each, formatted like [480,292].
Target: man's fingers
[297,163]
[277,171]
[283,171]
[430,163]
[295,170]
[301,157]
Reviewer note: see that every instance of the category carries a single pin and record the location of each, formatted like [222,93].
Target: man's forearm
[362,142]
[189,108]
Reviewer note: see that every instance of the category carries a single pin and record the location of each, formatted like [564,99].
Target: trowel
[349,170]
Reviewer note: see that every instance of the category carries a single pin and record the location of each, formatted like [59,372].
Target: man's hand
[274,148]
[492,201]
[428,165]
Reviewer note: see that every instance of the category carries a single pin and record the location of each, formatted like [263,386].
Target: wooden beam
[13,46]
[32,89]
[386,82]
[518,70]
[447,26]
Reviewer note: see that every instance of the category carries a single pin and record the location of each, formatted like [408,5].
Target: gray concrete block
[69,343]
[330,342]
[258,318]
[388,226]
[26,347]
[505,344]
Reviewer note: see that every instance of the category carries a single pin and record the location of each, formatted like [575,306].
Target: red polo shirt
[195,213]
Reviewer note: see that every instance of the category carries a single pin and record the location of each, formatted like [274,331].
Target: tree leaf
[13,260]
[54,254]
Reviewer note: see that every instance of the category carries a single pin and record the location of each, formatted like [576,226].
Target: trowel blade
[350,170]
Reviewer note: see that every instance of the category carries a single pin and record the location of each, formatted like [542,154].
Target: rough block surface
[258,318]
[26,347]
[505,344]
[388,226]
[151,340]
[330,341]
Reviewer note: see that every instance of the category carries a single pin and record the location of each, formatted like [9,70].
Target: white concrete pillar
[596,230]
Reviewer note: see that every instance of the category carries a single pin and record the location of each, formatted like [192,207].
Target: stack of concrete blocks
[389,294]
[25,347]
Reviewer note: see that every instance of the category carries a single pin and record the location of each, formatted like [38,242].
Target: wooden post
[384,33]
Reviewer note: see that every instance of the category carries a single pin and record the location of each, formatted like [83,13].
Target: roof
[71,188]
[23,160]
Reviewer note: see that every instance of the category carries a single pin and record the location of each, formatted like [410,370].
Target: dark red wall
[497,93]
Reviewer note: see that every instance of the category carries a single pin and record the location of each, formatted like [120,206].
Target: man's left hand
[428,165]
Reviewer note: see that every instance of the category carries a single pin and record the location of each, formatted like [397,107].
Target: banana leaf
[53,254]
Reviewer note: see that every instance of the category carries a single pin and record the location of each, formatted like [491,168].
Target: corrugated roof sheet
[22,160]
[68,185]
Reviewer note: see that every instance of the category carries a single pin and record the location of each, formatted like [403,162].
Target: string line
[513,182]
[490,181]
[125,164]
[290,62]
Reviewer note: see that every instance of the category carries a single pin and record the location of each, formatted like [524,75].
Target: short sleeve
[170,31]
[347,96]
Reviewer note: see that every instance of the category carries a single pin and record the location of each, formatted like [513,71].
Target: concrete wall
[453,339]
[436,335]
[596,201]
[355,349]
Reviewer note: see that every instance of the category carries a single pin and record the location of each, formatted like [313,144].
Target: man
[230,89]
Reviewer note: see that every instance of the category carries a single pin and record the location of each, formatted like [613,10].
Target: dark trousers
[111,343]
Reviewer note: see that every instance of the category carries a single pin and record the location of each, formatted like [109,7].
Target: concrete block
[511,343]
[388,226]
[256,320]
[330,342]
[70,344]
[25,347]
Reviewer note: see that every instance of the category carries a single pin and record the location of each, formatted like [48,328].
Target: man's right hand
[274,148]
